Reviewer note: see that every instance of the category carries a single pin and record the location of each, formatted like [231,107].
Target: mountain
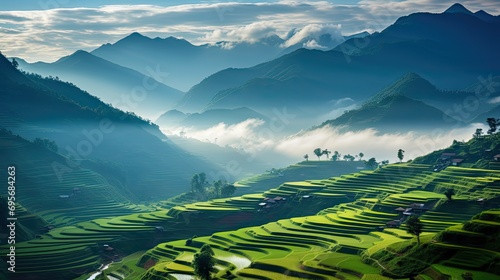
[410,103]
[394,114]
[185,63]
[207,118]
[92,185]
[322,42]
[492,113]
[170,119]
[188,64]
[482,15]
[357,35]
[415,87]
[86,129]
[124,88]
[450,49]
[458,8]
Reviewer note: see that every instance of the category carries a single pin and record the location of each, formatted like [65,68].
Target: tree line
[336,155]
[371,163]
[493,123]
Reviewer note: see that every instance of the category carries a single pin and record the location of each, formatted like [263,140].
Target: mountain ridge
[450,49]
[86,128]
[125,88]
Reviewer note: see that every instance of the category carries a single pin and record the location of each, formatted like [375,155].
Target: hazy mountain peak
[457,8]
[484,15]
[133,38]
[272,40]
[81,53]
[412,79]
[78,55]
[135,35]
[411,85]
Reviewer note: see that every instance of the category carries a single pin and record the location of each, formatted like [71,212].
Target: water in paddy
[97,273]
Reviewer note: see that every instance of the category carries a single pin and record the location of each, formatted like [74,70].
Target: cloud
[312,44]
[244,135]
[52,33]
[371,143]
[11,18]
[311,34]
[248,136]
[248,33]
[494,100]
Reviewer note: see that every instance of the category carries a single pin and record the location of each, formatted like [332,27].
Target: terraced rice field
[59,193]
[297,172]
[327,245]
[352,209]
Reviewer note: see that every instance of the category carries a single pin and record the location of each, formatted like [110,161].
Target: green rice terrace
[337,228]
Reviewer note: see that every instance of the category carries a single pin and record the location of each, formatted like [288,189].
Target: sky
[45,30]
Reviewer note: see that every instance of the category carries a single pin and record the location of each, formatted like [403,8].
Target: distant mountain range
[451,49]
[122,87]
[188,64]
[86,129]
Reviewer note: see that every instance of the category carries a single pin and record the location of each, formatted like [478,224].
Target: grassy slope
[305,170]
[470,247]
[354,206]
[323,245]
[477,152]
[39,186]
[86,128]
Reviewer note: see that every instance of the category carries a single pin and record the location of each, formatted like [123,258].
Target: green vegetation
[328,244]
[286,237]
[414,226]
[477,153]
[87,130]
[318,152]
[306,170]
[46,143]
[371,163]
[204,262]
[449,194]
[459,251]
[401,155]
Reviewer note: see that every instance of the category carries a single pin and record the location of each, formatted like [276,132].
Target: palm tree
[306,156]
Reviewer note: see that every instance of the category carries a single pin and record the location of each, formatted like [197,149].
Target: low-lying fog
[253,137]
